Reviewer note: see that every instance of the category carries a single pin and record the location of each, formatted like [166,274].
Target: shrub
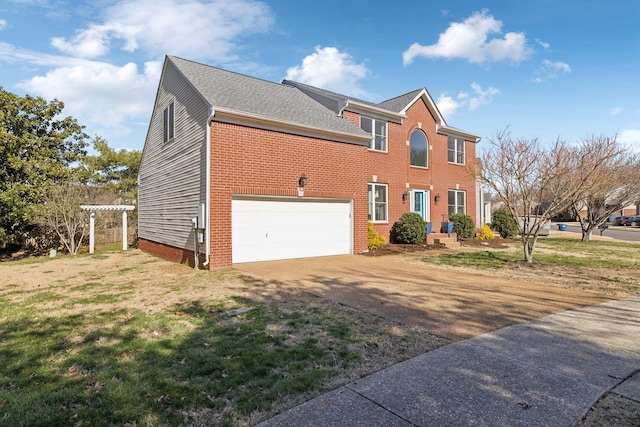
[376,241]
[462,225]
[485,233]
[504,223]
[410,228]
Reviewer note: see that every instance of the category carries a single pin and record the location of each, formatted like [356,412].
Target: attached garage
[265,229]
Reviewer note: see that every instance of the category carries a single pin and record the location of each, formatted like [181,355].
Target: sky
[543,69]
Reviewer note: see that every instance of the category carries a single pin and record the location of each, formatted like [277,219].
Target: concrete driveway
[449,303]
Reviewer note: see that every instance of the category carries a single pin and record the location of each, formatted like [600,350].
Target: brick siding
[253,161]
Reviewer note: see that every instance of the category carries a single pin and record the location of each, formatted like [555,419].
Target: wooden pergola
[93,209]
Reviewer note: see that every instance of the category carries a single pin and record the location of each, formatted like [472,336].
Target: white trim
[107,207]
[464,192]
[426,194]
[94,208]
[372,142]
[371,203]
[207,233]
[372,111]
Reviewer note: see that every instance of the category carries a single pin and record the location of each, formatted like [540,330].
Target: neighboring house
[237,169]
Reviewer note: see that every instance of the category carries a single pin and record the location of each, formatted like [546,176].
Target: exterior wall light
[302,181]
[437,198]
[405,196]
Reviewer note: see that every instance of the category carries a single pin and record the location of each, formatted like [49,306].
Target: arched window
[419,149]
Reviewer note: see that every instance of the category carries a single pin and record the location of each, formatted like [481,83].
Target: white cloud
[90,43]
[101,96]
[615,111]
[330,69]
[550,70]
[470,40]
[448,105]
[3,24]
[114,100]
[543,44]
[192,28]
[482,97]
[630,138]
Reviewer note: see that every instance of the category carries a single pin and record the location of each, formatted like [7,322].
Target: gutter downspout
[207,234]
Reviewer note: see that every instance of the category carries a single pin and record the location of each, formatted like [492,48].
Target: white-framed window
[378,202]
[419,154]
[168,123]
[378,130]
[457,201]
[456,150]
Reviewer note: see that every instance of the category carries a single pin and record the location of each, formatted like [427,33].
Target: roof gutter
[261,122]
[372,109]
[447,130]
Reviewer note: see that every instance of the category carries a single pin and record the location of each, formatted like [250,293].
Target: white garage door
[264,230]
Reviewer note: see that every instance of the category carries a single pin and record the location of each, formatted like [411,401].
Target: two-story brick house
[238,169]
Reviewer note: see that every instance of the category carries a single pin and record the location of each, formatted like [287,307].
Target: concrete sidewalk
[545,372]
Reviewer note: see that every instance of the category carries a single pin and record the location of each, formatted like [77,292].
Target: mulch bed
[397,248]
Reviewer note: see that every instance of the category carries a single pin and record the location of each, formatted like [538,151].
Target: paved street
[631,234]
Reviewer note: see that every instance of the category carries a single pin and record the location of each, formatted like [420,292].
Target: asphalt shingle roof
[236,92]
[398,103]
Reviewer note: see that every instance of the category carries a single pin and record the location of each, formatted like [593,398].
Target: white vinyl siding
[273,229]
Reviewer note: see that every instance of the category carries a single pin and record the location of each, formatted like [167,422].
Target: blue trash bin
[562,227]
[429,228]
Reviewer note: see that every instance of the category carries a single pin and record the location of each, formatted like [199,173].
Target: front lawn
[125,339]
[603,266]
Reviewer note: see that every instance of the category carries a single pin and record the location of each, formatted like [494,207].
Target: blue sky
[544,68]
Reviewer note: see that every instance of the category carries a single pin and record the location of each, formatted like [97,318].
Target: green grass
[186,365]
[570,253]
[484,260]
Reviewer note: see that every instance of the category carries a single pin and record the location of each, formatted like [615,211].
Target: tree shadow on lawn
[452,305]
[192,365]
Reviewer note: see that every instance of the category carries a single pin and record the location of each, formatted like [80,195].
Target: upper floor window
[378,130]
[377,202]
[457,201]
[419,149]
[456,150]
[168,123]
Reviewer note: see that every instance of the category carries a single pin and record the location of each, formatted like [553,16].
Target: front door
[420,204]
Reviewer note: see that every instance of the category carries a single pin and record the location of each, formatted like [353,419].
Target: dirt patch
[497,243]
[612,410]
[397,248]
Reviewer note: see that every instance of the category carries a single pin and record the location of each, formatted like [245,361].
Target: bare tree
[61,211]
[534,181]
[612,185]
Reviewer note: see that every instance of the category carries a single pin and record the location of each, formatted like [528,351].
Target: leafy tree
[115,171]
[38,148]
[504,223]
